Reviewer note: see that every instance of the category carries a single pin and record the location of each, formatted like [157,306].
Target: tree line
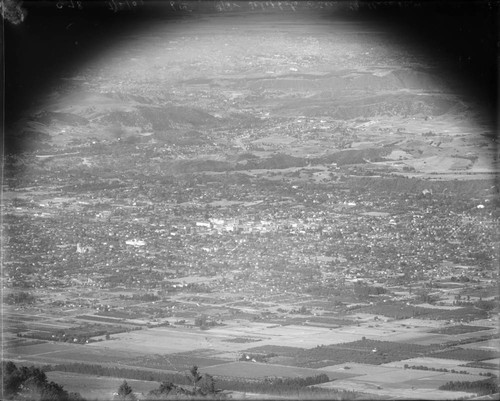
[480,387]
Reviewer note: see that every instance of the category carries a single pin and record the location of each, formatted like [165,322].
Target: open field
[468,354]
[398,332]
[456,330]
[41,349]
[256,370]
[176,362]
[360,369]
[437,363]
[409,376]
[173,340]
[397,390]
[492,345]
[98,387]
[162,340]
[58,352]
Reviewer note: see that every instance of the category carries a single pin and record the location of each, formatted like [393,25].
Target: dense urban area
[308,218]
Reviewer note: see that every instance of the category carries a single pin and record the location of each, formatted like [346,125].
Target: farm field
[399,331]
[173,340]
[489,345]
[162,340]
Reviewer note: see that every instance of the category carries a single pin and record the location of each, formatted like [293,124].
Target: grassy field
[489,345]
[437,363]
[68,352]
[162,340]
[256,370]
[276,349]
[38,349]
[97,387]
[359,369]
[417,378]
[177,362]
[393,390]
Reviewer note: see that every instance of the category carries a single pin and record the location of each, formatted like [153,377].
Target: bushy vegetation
[77,335]
[432,369]
[372,352]
[114,371]
[486,305]
[363,291]
[467,354]
[402,311]
[179,362]
[480,387]
[247,357]
[276,386]
[125,393]
[30,383]
[201,386]
[482,365]
[355,156]
[367,351]
[242,340]
[204,323]
[463,188]
[19,298]
[458,329]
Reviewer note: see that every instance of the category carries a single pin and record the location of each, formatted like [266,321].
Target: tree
[195,377]
[201,321]
[125,392]
[12,11]
[10,368]
[207,385]
[53,391]
[31,383]
[163,391]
